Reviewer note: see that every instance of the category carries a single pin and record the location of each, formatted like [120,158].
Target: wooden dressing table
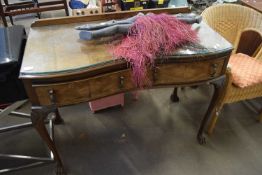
[58,69]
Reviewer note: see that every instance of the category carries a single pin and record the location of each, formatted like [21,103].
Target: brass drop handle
[214,67]
[121,84]
[52,96]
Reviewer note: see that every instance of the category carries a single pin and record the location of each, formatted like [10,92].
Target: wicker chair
[233,22]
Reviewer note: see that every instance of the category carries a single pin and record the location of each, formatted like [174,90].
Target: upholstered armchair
[242,27]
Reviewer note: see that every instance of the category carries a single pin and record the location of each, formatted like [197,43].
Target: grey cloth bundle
[110,28]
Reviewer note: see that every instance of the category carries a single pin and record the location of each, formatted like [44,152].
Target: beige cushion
[246,71]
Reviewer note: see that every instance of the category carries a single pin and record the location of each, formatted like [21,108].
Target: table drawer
[110,84]
[187,72]
[86,89]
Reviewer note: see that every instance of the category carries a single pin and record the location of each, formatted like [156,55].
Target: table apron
[162,75]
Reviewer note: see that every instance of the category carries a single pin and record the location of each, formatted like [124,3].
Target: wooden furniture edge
[106,16]
[120,65]
[250,6]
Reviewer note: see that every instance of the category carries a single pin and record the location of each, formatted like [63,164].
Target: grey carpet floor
[149,136]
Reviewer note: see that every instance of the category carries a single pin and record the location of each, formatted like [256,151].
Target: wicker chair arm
[229,80]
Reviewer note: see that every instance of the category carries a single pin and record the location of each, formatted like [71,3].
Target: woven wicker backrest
[230,19]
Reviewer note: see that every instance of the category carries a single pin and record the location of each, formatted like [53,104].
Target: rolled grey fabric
[112,27]
[108,23]
[108,31]
[189,18]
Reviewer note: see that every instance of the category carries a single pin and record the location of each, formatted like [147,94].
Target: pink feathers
[150,37]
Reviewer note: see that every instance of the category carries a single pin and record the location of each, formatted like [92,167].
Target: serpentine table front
[58,69]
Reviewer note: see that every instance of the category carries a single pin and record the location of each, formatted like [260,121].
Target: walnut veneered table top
[57,49]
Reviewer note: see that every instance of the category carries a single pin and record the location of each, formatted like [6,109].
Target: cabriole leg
[38,116]
[219,88]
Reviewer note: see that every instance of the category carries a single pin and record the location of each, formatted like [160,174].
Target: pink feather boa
[150,37]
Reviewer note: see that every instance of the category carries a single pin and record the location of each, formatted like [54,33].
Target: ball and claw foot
[201,140]
[60,170]
[174,98]
[58,119]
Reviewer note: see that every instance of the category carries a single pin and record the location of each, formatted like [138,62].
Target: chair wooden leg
[213,121]
[11,20]
[2,14]
[38,14]
[66,8]
[212,124]
[4,21]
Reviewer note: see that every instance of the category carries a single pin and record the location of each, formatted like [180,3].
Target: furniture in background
[13,40]
[255,4]
[113,6]
[13,95]
[32,6]
[241,26]
[94,74]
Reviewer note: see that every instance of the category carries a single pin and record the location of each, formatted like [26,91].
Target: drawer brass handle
[214,67]
[121,85]
[52,96]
